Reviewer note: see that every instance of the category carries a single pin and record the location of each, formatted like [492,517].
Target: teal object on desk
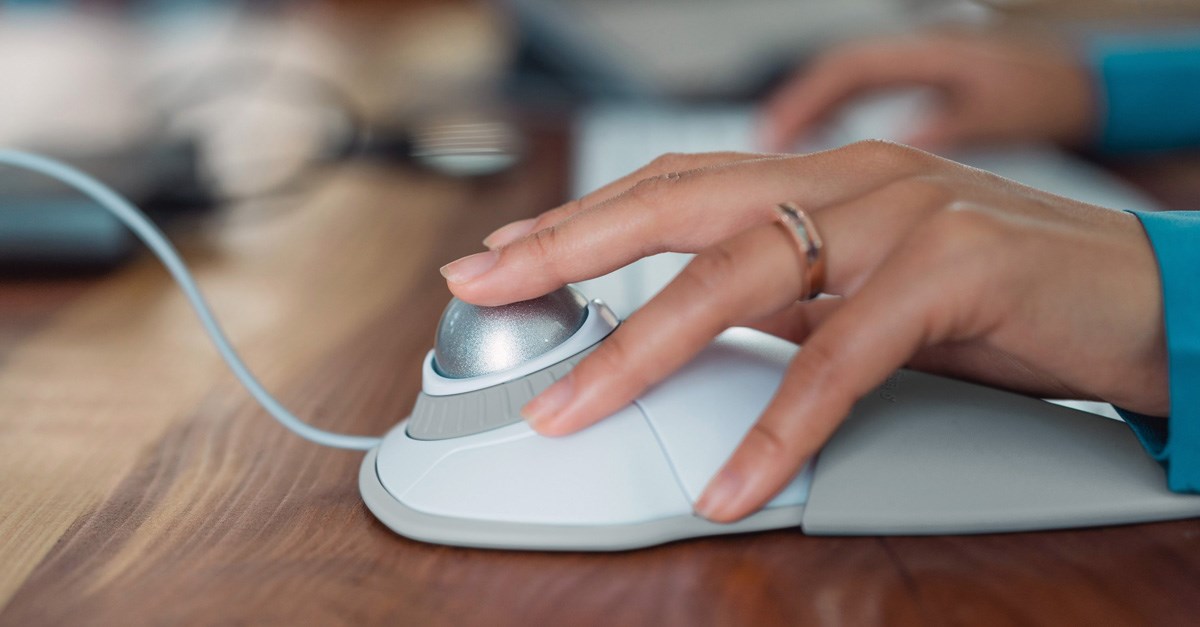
[1149,92]
[44,226]
[59,232]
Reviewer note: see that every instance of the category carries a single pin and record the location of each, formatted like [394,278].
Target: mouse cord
[158,243]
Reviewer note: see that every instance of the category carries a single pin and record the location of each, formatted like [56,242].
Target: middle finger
[746,277]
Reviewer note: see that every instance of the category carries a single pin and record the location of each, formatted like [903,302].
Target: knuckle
[545,246]
[922,190]
[557,215]
[962,251]
[712,270]
[821,368]
[575,206]
[649,192]
[817,364]
[670,162]
[770,442]
[962,234]
[877,147]
[614,357]
[884,154]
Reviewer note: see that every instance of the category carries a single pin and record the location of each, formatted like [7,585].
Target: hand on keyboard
[986,88]
[929,263]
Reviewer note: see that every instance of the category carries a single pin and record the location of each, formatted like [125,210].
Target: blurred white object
[65,77]
[78,81]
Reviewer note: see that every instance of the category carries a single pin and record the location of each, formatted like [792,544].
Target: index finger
[662,165]
[686,212]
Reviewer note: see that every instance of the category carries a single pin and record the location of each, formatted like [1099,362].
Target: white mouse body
[630,480]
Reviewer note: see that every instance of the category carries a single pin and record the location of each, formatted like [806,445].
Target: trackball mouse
[921,454]
[465,469]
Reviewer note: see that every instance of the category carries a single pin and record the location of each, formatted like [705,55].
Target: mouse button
[402,461]
[703,411]
[611,473]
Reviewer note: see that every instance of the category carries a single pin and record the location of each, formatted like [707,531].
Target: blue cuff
[1175,442]
[1149,93]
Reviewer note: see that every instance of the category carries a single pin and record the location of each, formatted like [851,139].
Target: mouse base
[491,534]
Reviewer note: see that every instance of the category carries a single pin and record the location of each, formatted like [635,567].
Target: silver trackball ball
[473,341]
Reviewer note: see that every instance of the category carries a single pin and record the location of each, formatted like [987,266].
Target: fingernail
[470,267]
[509,233]
[721,492]
[545,406]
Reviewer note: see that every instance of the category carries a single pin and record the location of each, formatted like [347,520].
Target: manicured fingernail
[470,267]
[543,409]
[509,233]
[721,493]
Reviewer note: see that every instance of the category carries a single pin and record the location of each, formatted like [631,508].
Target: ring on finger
[809,246]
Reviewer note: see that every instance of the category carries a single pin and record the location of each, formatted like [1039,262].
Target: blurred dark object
[47,228]
[551,66]
[586,50]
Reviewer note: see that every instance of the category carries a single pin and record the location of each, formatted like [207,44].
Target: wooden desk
[139,484]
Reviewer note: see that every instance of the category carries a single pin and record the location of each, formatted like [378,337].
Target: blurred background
[219,110]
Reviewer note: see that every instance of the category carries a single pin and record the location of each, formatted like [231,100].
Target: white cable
[157,242]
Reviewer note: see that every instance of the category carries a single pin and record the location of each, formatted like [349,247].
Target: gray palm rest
[959,468]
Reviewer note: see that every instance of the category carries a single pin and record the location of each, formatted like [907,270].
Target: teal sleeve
[1175,441]
[1148,92]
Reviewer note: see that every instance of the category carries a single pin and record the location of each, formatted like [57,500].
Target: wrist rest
[969,459]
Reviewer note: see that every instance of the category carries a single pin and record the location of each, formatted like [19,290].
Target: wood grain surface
[141,485]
